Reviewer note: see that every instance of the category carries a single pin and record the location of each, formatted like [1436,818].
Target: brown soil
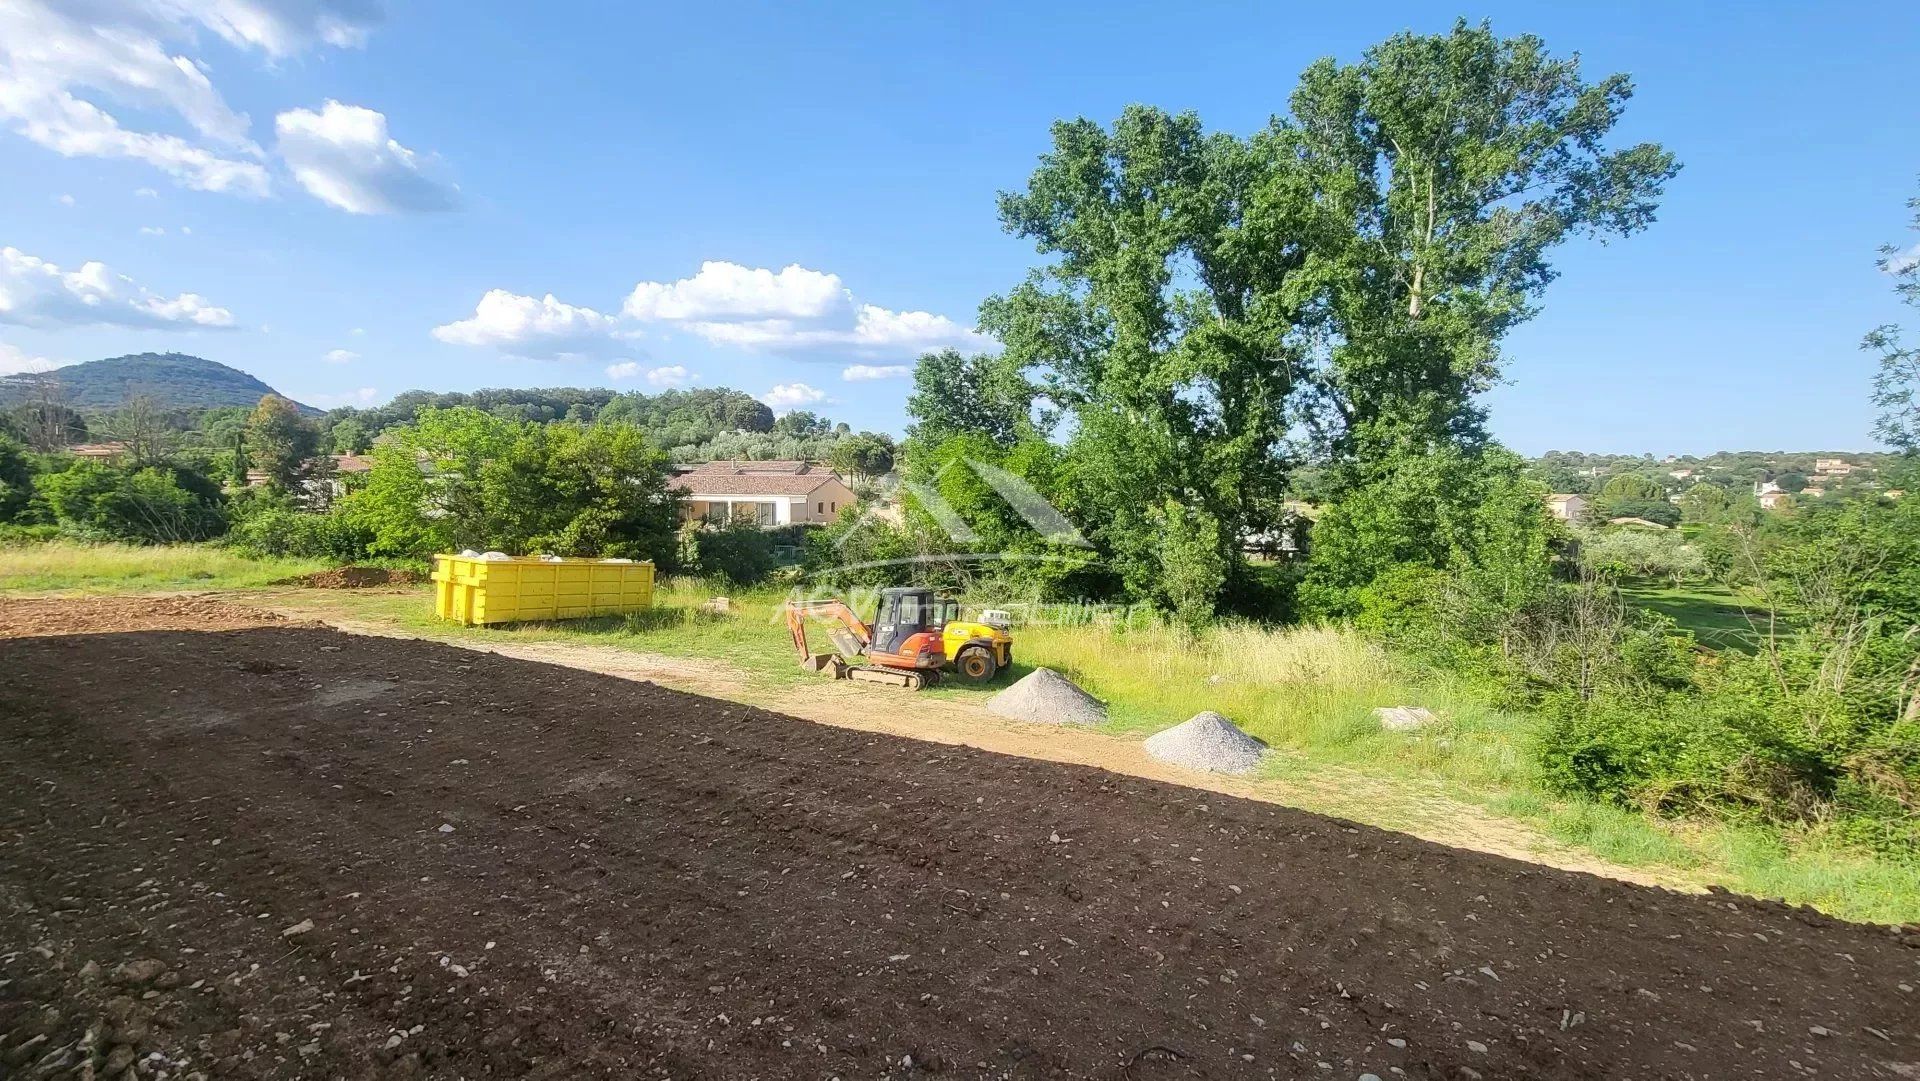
[516,869]
[358,578]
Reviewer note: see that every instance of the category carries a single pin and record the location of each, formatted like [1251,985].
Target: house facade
[765,494]
[1568,507]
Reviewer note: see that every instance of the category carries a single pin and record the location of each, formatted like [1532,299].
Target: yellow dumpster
[475,590]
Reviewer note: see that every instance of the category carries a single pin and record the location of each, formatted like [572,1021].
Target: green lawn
[64,566]
[1714,613]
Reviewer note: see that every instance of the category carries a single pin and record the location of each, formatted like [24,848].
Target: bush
[741,555]
[17,534]
[281,531]
[154,505]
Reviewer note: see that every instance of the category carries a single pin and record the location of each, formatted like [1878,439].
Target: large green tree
[1161,325]
[280,441]
[958,394]
[1896,388]
[1444,169]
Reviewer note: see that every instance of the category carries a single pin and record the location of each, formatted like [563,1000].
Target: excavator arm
[853,632]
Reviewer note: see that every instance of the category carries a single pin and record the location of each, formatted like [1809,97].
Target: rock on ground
[1207,741]
[1403,718]
[1047,697]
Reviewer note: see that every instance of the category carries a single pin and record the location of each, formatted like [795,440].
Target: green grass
[1715,615]
[64,566]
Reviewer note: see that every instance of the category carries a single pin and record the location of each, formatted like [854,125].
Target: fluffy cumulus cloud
[64,65]
[344,157]
[790,310]
[671,375]
[787,397]
[340,356]
[667,377]
[15,361]
[539,329]
[794,309]
[71,69]
[36,293]
[864,373]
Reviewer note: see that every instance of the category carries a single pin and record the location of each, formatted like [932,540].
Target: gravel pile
[1047,697]
[1207,742]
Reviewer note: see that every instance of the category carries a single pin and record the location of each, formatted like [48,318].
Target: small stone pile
[1045,696]
[1207,742]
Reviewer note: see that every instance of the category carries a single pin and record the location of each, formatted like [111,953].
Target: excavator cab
[906,611]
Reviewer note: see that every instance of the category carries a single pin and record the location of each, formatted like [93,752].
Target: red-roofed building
[766,494]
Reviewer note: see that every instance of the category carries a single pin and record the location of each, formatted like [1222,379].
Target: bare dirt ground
[1431,815]
[237,846]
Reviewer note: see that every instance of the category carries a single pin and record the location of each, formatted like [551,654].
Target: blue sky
[606,154]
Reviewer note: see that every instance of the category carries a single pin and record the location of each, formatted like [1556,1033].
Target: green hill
[172,380]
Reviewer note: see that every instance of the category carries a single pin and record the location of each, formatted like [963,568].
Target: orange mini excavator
[902,648]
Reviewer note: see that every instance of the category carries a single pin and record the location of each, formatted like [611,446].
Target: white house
[1567,507]
[766,494]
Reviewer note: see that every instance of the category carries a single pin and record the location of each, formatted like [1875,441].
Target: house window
[836,508]
[820,508]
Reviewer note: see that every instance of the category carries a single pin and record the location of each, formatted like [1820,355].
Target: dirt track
[514,869]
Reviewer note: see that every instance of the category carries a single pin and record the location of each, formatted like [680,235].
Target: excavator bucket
[827,664]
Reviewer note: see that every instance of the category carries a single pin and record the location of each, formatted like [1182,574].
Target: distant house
[1771,496]
[766,494]
[1813,491]
[1679,474]
[1567,506]
[1832,467]
[352,463]
[99,452]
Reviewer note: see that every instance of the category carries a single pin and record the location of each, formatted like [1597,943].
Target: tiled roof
[700,483]
[778,467]
[352,463]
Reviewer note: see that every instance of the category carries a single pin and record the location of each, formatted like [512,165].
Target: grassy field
[1715,614]
[61,566]
[1308,692]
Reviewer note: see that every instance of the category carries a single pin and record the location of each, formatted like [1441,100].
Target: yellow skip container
[476,590]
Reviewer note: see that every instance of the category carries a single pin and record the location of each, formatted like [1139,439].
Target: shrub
[741,555]
[281,531]
[154,505]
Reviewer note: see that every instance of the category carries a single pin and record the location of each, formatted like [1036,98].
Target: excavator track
[892,677]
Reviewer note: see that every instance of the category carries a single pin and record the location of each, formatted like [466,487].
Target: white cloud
[144,193]
[795,308]
[15,360]
[340,356]
[34,292]
[526,327]
[729,292]
[64,199]
[787,397]
[63,64]
[344,157]
[361,396]
[672,375]
[152,230]
[860,373]
[626,369]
